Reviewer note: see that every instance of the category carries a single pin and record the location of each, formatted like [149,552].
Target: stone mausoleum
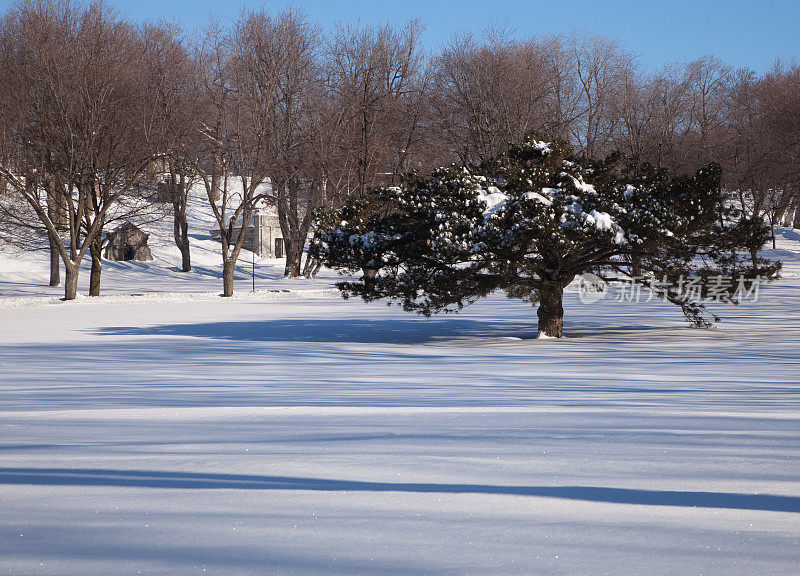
[264,236]
[128,242]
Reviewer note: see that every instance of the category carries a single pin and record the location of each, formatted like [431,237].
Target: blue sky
[742,33]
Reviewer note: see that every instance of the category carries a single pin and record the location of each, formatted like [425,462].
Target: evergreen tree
[532,220]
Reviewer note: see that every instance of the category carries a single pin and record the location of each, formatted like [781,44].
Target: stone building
[264,235]
[267,234]
[128,242]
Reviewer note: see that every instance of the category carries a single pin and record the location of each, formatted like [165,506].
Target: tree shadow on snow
[194,481]
[788,233]
[362,331]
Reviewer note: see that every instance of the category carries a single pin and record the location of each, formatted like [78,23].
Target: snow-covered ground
[289,432]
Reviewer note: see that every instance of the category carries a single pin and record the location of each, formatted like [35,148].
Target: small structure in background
[264,235]
[163,191]
[267,233]
[128,242]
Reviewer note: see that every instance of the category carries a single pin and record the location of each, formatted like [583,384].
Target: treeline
[96,112]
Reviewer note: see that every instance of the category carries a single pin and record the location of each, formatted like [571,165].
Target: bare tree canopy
[271,110]
[73,99]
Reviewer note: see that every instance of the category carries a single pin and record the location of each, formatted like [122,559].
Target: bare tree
[602,69]
[173,121]
[280,58]
[486,95]
[707,81]
[632,106]
[216,92]
[373,73]
[250,94]
[665,100]
[748,152]
[780,98]
[72,88]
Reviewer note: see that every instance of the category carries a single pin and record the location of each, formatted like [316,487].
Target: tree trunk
[71,281]
[316,268]
[551,310]
[94,275]
[57,212]
[55,260]
[308,266]
[216,177]
[312,268]
[294,233]
[369,277]
[180,226]
[228,269]
[294,255]
[310,261]
[181,233]
[186,258]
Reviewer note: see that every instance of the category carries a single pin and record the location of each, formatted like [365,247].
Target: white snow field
[287,431]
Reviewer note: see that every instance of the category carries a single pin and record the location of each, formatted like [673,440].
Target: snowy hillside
[26,273]
[160,429]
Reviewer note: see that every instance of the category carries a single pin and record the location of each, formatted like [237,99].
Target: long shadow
[194,481]
[363,331]
[788,233]
[155,271]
